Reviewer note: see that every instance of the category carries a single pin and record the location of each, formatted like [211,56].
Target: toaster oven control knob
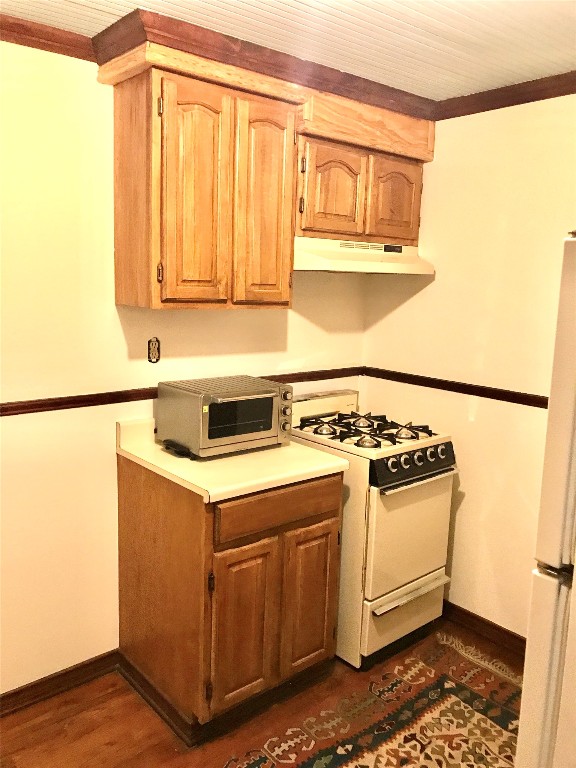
[286,395]
[393,464]
[418,458]
[430,453]
[442,451]
[285,426]
[405,460]
[286,410]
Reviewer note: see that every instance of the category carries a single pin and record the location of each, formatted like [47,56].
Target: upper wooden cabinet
[335,187]
[204,194]
[349,191]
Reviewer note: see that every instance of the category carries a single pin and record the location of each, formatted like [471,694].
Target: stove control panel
[409,466]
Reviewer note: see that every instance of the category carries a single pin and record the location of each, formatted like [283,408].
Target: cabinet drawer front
[273,509]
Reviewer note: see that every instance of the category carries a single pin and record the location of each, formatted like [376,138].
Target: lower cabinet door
[309,604]
[246,604]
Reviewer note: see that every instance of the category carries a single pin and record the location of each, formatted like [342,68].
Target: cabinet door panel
[245,622]
[394,191]
[265,201]
[196,190]
[334,188]
[309,602]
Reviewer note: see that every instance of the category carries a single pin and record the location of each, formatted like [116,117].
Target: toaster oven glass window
[240,417]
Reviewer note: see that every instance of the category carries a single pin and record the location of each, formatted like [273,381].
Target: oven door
[229,420]
[407,533]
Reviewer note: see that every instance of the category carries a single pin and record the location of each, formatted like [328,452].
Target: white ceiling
[433,48]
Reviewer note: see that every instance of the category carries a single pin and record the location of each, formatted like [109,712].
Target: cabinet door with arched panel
[334,187]
[393,197]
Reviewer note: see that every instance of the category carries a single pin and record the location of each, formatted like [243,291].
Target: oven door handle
[236,399]
[439,582]
[429,479]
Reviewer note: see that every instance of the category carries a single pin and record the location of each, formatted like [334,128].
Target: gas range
[395,518]
[398,453]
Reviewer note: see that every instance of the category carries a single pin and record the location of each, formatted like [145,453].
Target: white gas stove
[395,519]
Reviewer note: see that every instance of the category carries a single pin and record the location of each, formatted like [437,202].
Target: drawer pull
[439,582]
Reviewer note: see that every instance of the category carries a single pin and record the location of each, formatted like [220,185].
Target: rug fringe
[472,653]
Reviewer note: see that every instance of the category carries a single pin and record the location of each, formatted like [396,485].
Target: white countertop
[227,476]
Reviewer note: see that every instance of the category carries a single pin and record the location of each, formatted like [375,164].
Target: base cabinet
[221,602]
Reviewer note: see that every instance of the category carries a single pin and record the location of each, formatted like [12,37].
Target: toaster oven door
[229,420]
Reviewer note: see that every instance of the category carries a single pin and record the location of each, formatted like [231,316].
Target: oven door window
[240,417]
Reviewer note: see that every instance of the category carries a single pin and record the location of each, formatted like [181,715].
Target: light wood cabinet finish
[219,603]
[204,194]
[267,510]
[335,188]
[264,201]
[321,114]
[349,193]
[164,543]
[197,192]
[309,607]
[393,200]
[246,607]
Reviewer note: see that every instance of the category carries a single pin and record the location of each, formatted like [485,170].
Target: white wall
[499,198]
[63,335]
[497,202]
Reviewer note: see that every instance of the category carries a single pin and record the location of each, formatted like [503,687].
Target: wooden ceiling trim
[144,26]
[33,35]
[509,96]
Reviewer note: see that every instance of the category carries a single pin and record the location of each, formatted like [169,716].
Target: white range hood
[323,255]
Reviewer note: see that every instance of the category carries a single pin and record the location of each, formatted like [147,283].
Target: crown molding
[33,35]
[509,96]
[141,26]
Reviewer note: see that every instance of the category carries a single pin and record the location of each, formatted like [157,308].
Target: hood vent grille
[326,255]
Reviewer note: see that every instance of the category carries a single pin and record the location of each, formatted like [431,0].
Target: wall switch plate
[153,349]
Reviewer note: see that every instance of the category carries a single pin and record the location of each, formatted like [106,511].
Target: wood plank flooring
[105,723]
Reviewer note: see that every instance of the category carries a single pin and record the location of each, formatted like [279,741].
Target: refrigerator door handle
[565,574]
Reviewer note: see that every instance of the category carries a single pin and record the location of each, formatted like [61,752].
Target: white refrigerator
[547,732]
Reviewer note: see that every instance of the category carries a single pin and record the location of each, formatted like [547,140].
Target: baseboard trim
[193,733]
[59,682]
[502,637]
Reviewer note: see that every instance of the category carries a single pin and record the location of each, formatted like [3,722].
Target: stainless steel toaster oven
[210,417]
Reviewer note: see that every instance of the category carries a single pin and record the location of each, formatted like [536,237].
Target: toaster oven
[211,417]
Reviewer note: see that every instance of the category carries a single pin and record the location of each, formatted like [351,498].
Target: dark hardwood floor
[106,724]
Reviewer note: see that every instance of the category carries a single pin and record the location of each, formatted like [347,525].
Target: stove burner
[367,441]
[362,422]
[325,429]
[411,432]
[364,430]
[359,437]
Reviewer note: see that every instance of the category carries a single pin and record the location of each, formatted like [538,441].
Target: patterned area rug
[443,705]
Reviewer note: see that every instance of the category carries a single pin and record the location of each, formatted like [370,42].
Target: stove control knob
[442,451]
[430,453]
[405,460]
[285,426]
[286,410]
[393,464]
[286,395]
[418,458]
